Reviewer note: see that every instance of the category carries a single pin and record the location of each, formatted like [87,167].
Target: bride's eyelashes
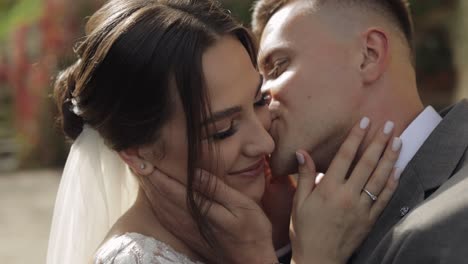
[264,100]
[225,133]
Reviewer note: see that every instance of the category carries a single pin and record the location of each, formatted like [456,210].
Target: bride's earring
[142,166]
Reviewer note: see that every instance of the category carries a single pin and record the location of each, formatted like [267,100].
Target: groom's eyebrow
[262,58]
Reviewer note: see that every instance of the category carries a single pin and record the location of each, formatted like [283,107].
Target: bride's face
[241,120]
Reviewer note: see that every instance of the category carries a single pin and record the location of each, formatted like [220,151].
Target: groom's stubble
[315,52]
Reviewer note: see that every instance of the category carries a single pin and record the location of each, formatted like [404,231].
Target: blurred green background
[37,36]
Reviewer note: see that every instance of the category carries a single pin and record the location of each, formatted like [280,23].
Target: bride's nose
[259,142]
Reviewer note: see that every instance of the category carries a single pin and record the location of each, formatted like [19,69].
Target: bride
[167,90]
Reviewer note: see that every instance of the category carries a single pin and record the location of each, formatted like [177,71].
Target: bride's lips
[252,171]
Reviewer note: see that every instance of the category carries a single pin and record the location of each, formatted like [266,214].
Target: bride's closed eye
[264,100]
[261,100]
[231,130]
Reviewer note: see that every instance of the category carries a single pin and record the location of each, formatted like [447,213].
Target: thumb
[306,177]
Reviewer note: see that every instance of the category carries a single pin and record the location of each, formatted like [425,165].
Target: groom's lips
[254,170]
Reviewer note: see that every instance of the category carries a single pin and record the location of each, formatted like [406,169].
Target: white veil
[96,188]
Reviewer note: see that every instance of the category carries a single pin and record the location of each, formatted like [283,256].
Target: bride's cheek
[211,160]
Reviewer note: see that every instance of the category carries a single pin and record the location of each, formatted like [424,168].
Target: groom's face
[310,69]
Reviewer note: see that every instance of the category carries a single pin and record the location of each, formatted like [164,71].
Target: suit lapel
[438,158]
[409,194]
[433,164]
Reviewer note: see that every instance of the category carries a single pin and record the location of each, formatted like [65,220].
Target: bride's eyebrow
[228,112]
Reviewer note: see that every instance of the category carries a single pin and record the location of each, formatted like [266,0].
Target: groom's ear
[136,160]
[375,55]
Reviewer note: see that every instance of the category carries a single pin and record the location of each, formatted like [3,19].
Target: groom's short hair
[397,12]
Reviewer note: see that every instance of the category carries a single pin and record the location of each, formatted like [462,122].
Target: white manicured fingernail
[364,123]
[388,128]
[300,158]
[396,145]
[397,174]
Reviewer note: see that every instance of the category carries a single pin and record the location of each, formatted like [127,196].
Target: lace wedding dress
[134,248]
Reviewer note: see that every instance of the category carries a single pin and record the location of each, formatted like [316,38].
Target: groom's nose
[274,109]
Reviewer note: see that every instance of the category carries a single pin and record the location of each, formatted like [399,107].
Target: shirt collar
[416,134]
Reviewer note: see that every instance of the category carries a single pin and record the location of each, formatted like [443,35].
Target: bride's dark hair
[131,55]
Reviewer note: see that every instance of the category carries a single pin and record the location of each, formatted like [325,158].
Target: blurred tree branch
[13,13]
[460,37]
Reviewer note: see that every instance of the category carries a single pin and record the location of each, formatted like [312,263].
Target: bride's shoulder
[128,248]
[135,248]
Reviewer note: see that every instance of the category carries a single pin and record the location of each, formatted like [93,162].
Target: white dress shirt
[416,134]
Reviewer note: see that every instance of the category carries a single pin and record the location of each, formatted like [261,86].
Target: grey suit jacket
[427,219]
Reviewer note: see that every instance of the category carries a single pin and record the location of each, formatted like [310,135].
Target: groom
[328,63]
